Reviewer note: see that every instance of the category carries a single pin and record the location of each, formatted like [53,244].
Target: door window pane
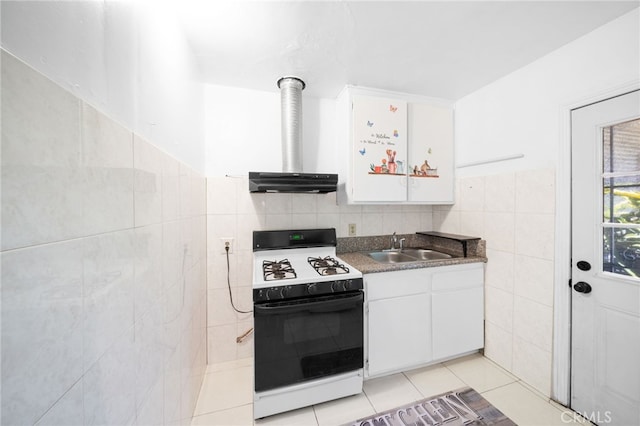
[622,251]
[621,147]
[621,198]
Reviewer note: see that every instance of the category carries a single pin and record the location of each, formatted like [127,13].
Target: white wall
[522,112]
[243,132]
[521,206]
[106,324]
[102,265]
[128,59]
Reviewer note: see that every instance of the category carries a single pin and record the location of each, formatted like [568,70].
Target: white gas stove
[308,319]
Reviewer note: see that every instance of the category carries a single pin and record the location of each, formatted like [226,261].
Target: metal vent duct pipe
[291,123]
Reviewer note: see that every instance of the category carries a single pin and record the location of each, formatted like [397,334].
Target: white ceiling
[444,49]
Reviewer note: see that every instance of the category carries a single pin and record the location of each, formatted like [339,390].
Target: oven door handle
[326,305]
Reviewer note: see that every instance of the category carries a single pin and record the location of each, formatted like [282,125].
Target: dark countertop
[352,251]
[367,265]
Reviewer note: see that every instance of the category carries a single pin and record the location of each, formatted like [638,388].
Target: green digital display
[296,237]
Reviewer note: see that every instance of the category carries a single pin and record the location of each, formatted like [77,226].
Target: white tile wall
[234,212]
[42,327]
[471,223]
[108,298]
[532,321]
[535,235]
[536,191]
[500,193]
[107,166]
[42,180]
[109,385]
[68,410]
[148,286]
[498,345]
[103,266]
[148,182]
[170,189]
[499,228]
[514,213]
[532,364]
[446,219]
[501,270]
[533,279]
[499,307]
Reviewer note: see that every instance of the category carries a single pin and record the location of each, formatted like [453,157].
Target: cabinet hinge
[366,364]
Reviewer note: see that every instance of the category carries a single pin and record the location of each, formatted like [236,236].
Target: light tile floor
[226,395]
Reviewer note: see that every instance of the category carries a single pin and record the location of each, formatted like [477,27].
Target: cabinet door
[458,321]
[431,168]
[398,333]
[379,149]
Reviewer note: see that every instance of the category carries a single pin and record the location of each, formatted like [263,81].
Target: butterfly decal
[393,108]
[370,124]
[362,151]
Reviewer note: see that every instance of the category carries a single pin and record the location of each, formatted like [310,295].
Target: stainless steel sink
[407,255]
[425,254]
[391,257]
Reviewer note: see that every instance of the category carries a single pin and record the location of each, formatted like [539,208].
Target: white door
[605,369]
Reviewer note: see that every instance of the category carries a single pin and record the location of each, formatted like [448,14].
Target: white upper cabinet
[399,148]
[431,168]
[379,149]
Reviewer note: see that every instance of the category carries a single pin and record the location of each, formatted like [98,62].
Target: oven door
[305,339]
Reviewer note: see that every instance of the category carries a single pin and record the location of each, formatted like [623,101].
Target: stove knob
[285,291]
[312,288]
[272,293]
[348,284]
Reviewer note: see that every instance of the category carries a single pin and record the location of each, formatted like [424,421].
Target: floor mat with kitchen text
[460,407]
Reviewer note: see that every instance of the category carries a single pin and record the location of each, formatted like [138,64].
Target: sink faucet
[394,241]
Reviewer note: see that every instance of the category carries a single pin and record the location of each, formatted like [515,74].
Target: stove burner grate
[327,265]
[277,270]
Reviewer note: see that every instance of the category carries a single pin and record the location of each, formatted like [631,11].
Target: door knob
[582,287]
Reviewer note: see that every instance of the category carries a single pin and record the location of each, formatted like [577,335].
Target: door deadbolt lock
[582,287]
[583,265]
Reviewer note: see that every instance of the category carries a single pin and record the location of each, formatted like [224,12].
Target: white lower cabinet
[415,317]
[396,333]
[457,308]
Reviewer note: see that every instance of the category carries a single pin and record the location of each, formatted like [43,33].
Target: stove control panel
[284,292]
